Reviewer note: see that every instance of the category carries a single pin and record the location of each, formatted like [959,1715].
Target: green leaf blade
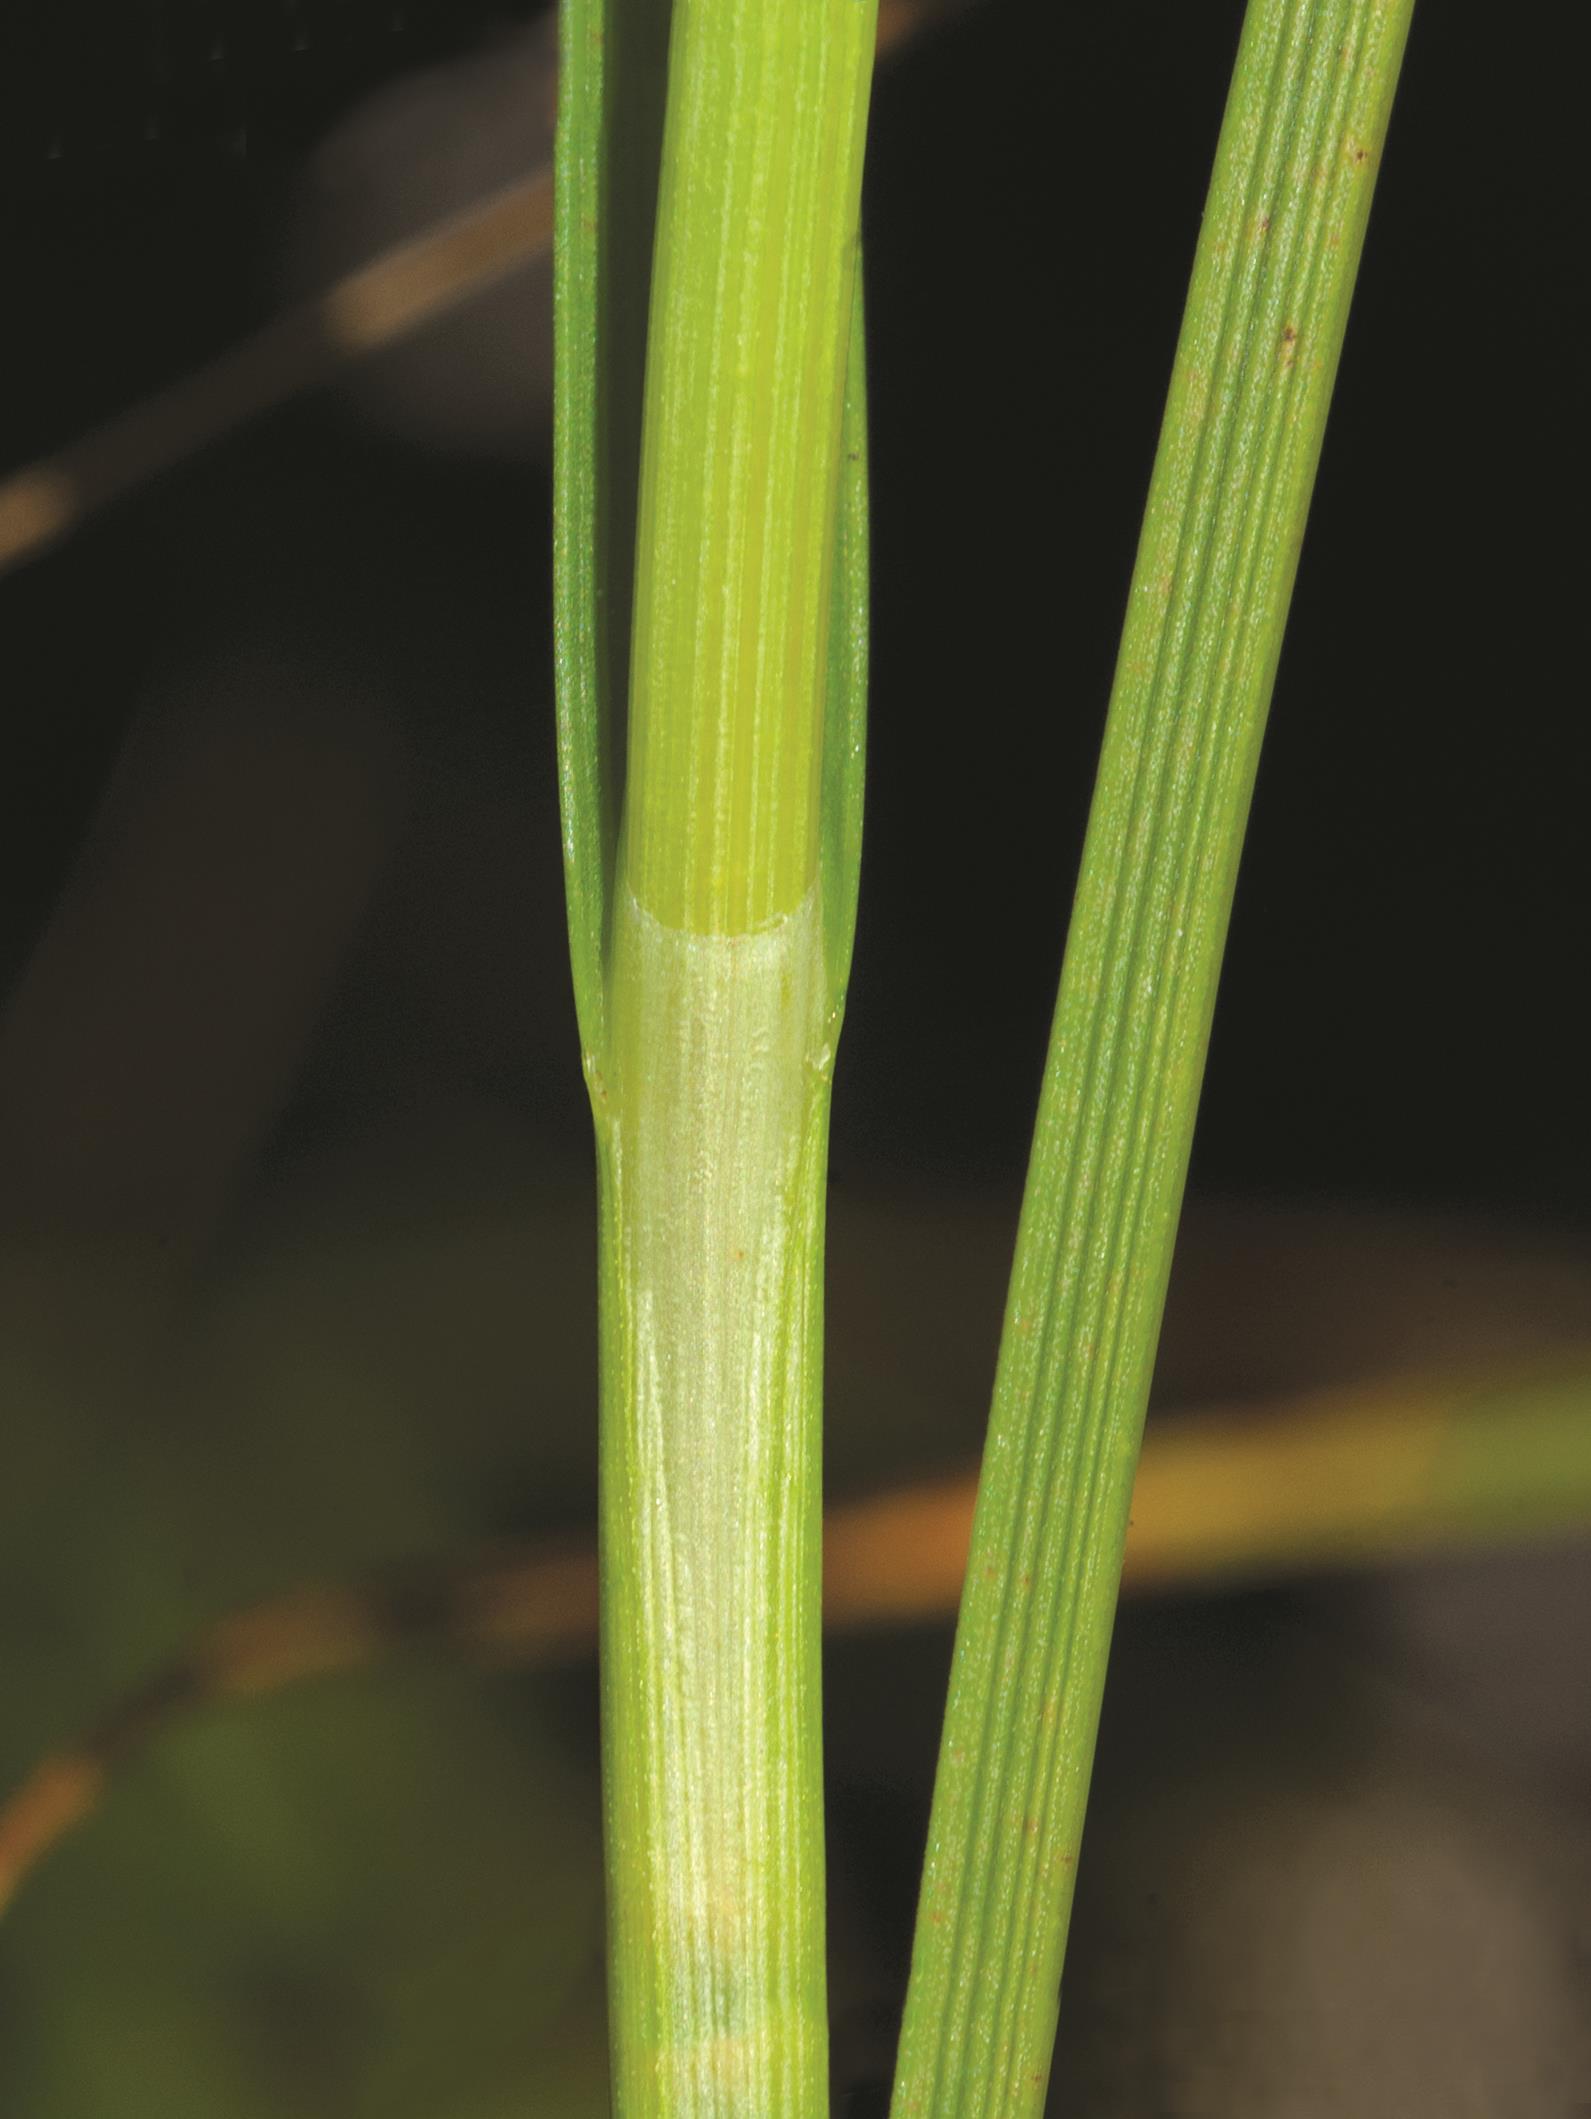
[613,65]
[845,705]
[1257,358]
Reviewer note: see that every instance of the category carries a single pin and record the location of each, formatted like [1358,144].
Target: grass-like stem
[710,913]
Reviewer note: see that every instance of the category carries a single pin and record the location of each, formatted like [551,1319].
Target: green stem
[740,456]
[711,938]
[1271,287]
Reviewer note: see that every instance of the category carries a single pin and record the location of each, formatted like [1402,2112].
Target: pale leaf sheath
[714,1170]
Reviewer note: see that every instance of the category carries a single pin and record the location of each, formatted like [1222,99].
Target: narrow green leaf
[613,65]
[1258,355]
[845,707]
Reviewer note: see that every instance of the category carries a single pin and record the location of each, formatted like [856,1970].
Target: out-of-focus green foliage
[377,1895]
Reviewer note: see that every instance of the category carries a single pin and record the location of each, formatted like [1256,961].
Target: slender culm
[710,920]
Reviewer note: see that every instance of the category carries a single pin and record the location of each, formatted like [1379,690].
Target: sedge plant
[711,552]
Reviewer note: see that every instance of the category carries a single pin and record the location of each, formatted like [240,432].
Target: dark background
[1400,1016]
